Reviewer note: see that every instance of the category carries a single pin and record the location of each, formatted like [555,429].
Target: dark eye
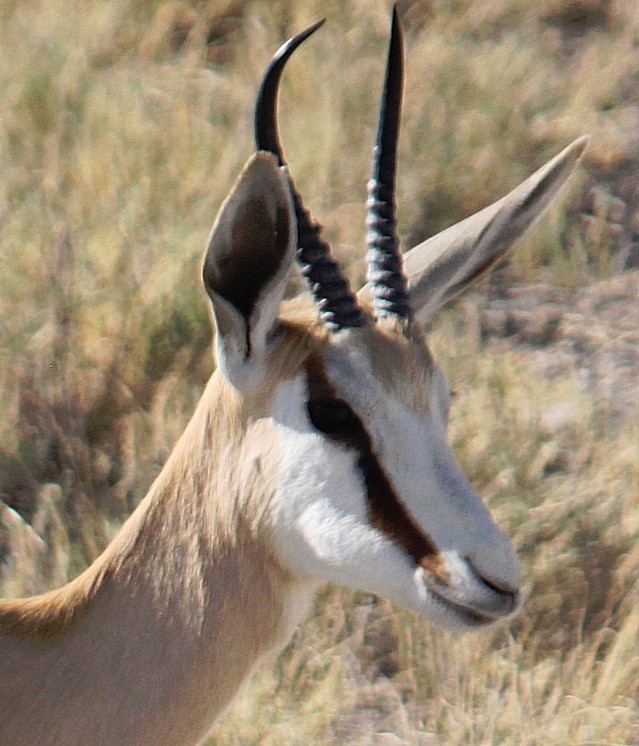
[332,416]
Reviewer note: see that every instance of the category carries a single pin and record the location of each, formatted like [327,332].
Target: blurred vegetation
[123,126]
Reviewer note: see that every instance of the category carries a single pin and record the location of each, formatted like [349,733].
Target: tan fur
[402,360]
[166,624]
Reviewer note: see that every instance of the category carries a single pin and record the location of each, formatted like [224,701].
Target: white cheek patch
[320,515]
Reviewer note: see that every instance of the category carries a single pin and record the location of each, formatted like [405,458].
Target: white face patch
[325,526]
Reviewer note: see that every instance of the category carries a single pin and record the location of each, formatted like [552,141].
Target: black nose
[509,597]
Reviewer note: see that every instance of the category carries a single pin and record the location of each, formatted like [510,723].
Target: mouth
[494,605]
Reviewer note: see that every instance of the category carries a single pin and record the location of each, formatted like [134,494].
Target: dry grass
[122,127]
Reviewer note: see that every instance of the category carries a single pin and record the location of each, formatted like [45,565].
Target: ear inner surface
[483,239]
[258,242]
[250,252]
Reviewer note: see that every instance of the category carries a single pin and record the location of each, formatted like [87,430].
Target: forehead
[362,365]
[381,361]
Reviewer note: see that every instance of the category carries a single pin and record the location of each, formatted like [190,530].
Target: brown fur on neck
[207,499]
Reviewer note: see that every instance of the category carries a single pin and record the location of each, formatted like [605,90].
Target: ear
[250,252]
[451,261]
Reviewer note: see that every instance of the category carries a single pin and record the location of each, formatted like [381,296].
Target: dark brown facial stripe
[385,510]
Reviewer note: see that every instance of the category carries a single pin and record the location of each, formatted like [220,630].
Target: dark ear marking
[249,255]
[258,244]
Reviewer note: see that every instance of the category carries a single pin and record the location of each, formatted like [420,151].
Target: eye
[332,416]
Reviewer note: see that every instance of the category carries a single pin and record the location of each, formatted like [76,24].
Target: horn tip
[580,145]
[302,36]
[572,154]
[396,18]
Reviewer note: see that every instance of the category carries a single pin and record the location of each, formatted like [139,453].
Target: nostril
[503,590]
[510,599]
[498,586]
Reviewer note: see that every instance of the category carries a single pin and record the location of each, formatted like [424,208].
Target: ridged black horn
[330,290]
[388,284]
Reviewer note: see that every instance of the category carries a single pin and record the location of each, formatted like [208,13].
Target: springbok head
[366,490]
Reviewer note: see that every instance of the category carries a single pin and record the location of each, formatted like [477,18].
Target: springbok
[317,452]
